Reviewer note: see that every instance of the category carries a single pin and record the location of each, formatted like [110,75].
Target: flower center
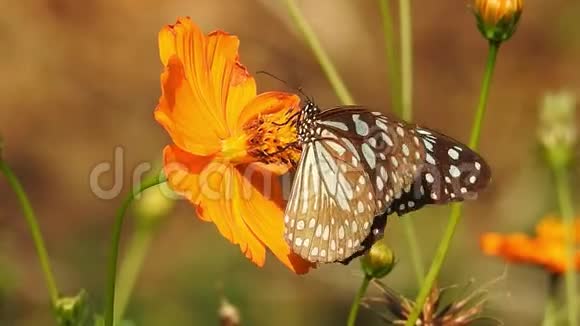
[273,139]
[234,149]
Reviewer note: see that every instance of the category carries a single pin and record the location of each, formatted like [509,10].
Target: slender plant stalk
[480,112]
[32,222]
[567,212]
[393,70]
[132,262]
[321,55]
[406,60]
[114,253]
[455,215]
[407,115]
[414,248]
[549,312]
[356,302]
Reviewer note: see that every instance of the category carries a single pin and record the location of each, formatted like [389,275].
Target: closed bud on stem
[71,311]
[497,20]
[152,206]
[379,261]
[558,132]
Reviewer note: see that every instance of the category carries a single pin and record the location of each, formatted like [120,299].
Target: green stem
[549,313]
[484,95]
[356,303]
[114,253]
[322,57]
[391,57]
[407,115]
[132,262]
[455,215]
[567,212]
[32,222]
[414,248]
[406,60]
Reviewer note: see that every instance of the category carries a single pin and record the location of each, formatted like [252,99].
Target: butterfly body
[359,166]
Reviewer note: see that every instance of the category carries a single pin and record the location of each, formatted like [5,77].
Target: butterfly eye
[357,167]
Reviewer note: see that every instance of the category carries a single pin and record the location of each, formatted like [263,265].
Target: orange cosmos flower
[229,144]
[547,249]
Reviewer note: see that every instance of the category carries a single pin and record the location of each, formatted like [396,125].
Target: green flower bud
[72,311]
[558,132]
[379,261]
[152,206]
[497,20]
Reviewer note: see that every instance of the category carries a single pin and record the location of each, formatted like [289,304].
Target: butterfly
[357,167]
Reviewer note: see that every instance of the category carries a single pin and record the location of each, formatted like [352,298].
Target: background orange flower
[547,249]
[209,107]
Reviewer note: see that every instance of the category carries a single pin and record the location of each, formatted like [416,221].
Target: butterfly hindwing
[328,213]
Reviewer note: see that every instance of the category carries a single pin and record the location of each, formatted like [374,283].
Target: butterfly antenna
[299,89]
[308,98]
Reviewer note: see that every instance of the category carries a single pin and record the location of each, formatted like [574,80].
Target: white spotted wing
[355,165]
[451,172]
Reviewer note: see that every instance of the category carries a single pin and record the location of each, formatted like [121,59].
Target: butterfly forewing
[451,172]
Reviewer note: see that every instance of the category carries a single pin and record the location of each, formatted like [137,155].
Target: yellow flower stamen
[273,139]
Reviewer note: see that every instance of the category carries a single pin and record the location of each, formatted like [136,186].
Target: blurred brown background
[82,77]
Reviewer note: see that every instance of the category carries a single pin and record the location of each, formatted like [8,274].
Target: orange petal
[245,217]
[166,41]
[217,189]
[207,184]
[491,243]
[518,247]
[276,168]
[257,200]
[552,255]
[182,170]
[215,204]
[220,84]
[190,126]
[268,102]
[238,87]
[239,96]
[210,185]
[550,228]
